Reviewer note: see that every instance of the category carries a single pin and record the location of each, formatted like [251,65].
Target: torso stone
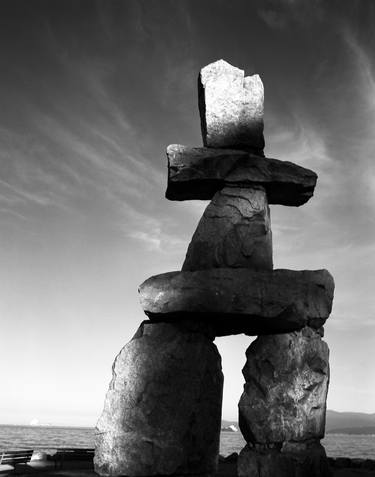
[234,232]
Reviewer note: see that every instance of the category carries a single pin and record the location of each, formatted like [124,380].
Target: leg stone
[283,406]
[162,412]
[234,232]
[307,460]
[284,397]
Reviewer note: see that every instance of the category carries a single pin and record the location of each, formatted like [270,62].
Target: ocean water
[51,438]
[336,445]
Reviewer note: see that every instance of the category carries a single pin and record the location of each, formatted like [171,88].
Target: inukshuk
[163,409]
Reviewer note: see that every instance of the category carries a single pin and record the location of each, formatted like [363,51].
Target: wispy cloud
[362,145]
[25,179]
[282,14]
[75,154]
[16,195]
[273,18]
[364,66]
[335,229]
[155,240]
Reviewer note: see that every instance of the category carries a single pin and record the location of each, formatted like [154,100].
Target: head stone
[231,108]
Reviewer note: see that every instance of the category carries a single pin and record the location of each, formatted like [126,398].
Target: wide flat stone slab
[199,172]
[231,107]
[241,300]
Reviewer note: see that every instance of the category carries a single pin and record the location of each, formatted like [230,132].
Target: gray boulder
[231,107]
[241,300]
[284,397]
[162,412]
[234,231]
[303,460]
[199,172]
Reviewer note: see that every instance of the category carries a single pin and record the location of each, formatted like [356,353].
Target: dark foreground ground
[340,468]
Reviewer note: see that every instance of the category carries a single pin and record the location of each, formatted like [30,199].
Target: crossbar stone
[241,300]
[199,172]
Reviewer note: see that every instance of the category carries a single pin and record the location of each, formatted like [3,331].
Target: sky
[91,94]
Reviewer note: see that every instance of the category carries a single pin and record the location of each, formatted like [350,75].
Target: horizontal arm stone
[241,300]
[199,172]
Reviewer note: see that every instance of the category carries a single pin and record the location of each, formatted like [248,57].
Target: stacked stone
[162,412]
[228,281]
[282,408]
[163,409]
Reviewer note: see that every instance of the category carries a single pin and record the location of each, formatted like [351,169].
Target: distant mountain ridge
[370,430]
[338,423]
[350,422]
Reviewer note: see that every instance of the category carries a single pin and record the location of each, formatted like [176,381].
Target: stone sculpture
[163,409]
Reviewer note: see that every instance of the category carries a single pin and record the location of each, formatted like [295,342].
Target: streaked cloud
[283,14]
[364,67]
[89,100]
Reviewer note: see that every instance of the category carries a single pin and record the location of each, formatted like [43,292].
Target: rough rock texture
[284,397]
[199,172]
[234,231]
[231,107]
[162,412]
[241,300]
[303,460]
